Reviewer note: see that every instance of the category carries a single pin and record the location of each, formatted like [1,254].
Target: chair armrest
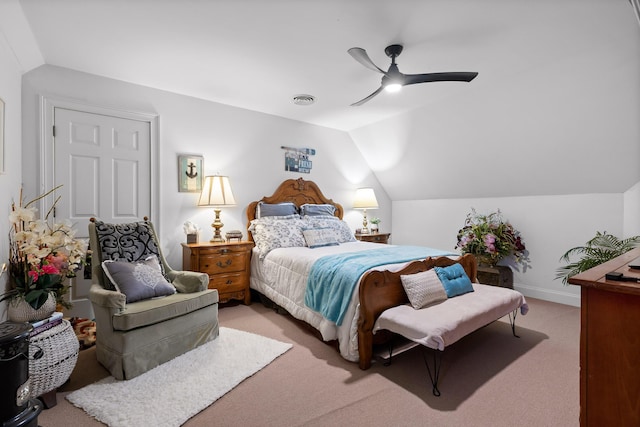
[105,298]
[187,282]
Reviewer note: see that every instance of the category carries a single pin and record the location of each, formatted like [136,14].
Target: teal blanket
[333,277]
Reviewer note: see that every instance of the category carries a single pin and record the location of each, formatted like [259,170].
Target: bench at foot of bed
[442,324]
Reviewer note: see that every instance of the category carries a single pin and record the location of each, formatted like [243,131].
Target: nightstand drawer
[224,263]
[374,237]
[228,282]
[221,250]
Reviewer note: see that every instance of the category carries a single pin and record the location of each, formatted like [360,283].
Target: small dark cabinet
[499,275]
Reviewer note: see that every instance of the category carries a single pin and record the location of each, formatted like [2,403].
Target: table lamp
[216,192]
[365,199]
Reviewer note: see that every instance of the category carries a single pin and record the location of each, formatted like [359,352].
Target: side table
[60,348]
[499,275]
[226,263]
[374,237]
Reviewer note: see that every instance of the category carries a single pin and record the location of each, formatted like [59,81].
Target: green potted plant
[601,248]
[490,239]
[42,255]
[375,224]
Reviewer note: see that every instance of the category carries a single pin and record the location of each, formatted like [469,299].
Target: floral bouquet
[490,239]
[41,254]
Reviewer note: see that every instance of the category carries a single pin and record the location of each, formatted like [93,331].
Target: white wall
[631,222]
[10,77]
[550,225]
[242,144]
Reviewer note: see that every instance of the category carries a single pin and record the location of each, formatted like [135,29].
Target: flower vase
[19,310]
[485,261]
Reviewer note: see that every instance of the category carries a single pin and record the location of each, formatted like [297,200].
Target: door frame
[47,105]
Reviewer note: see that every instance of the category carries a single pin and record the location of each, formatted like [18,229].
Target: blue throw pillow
[454,279]
[317,210]
[276,209]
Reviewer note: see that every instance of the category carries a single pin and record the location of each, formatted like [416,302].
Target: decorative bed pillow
[138,280]
[309,209]
[341,228]
[319,237]
[284,209]
[270,234]
[423,289]
[126,242]
[454,279]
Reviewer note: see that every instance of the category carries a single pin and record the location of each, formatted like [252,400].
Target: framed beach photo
[190,173]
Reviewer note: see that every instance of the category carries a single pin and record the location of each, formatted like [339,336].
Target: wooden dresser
[228,266]
[610,345]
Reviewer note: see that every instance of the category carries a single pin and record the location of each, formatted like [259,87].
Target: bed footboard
[380,290]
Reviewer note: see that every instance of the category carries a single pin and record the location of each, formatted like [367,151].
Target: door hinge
[54,131]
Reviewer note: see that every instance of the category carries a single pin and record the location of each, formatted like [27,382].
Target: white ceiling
[558,79]
[257,54]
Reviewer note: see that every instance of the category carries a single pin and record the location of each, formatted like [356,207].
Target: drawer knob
[224,250]
[226,264]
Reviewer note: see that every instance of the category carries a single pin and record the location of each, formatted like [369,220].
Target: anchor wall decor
[190,167]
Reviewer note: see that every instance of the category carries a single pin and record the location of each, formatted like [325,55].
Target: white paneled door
[104,165]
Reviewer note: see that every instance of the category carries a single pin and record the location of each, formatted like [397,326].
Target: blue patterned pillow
[319,237]
[341,228]
[454,279]
[269,234]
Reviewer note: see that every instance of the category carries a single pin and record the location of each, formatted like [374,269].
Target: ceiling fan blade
[361,56]
[362,101]
[410,79]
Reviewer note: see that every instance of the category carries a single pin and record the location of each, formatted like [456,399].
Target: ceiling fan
[393,79]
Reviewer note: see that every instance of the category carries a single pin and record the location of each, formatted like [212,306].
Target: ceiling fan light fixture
[393,87]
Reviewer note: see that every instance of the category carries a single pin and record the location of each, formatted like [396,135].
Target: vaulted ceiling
[554,109]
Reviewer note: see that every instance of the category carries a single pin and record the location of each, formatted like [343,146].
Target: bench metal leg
[437,361]
[512,320]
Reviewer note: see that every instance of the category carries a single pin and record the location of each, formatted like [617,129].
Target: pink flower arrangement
[490,238]
[41,255]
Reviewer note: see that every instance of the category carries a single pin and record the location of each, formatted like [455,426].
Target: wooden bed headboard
[297,191]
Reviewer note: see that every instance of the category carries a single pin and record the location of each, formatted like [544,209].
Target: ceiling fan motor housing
[393,50]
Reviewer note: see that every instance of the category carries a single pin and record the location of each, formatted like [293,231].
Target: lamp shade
[216,191]
[365,199]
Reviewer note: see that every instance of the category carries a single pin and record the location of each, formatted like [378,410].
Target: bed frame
[379,290]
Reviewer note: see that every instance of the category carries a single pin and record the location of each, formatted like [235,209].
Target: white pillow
[423,289]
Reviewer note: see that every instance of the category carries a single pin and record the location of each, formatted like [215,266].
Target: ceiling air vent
[303,99]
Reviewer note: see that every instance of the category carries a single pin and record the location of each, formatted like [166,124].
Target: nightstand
[374,237]
[226,263]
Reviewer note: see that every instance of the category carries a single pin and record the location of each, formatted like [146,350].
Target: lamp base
[365,229]
[217,225]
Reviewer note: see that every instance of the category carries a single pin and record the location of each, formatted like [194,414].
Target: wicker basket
[20,311]
[60,347]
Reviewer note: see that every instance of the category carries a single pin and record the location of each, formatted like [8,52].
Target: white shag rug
[173,392]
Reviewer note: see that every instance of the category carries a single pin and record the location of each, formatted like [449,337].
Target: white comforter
[282,277]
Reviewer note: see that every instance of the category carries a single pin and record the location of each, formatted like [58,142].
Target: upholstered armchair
[146,313]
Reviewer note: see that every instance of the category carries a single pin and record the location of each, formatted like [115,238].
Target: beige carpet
[488,379]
